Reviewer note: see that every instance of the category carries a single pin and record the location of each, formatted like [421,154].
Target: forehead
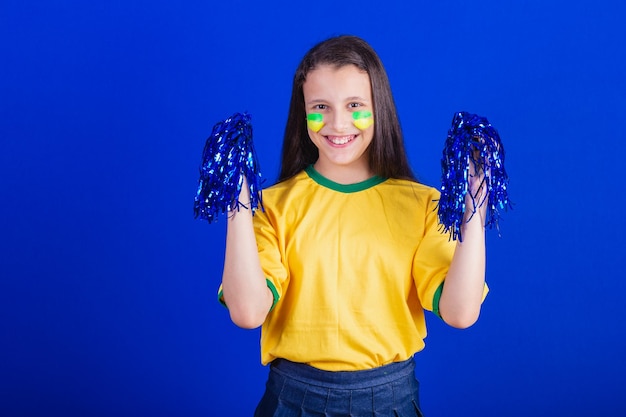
[328,82]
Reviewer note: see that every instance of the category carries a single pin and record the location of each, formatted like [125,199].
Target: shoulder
[409,195]
[300,180]
[409,188]
[282,194]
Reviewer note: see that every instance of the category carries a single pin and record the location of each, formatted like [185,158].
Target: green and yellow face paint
[362,119]
[315,121]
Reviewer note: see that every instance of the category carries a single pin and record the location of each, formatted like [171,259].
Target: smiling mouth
[340,140]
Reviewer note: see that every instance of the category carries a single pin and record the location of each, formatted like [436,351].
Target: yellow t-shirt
[352,269]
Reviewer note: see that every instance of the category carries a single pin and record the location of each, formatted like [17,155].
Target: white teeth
[340,140]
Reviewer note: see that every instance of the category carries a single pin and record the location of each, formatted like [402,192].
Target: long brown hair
[387,157]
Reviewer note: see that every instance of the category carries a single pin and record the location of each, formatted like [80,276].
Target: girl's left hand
[477,192]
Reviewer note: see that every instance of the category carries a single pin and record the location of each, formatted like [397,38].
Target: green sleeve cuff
[220,297]
[270,285]
[436,299]
[274,291]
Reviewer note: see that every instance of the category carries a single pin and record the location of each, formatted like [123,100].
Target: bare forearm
[244,287]
[462,294]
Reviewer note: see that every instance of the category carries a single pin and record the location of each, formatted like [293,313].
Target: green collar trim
[342,188]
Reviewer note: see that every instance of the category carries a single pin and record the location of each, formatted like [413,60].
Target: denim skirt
[295,389]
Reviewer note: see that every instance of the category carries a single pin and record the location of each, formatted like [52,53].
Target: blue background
[108,284]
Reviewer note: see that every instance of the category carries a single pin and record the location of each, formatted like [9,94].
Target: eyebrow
[356,98]
[319,100]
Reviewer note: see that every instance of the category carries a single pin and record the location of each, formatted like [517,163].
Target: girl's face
[338,103]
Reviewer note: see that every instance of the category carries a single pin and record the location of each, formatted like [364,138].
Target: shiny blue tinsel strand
[227,158]
[471,140]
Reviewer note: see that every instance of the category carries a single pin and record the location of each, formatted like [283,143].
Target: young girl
[348,253]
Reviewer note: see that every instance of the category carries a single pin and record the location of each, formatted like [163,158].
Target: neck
[345,174]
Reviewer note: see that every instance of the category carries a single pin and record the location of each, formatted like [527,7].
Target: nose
[341,121]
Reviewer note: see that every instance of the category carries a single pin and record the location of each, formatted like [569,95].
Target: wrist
[473,223]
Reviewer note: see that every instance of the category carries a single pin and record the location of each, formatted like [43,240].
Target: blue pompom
[471,139]
[227,158]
